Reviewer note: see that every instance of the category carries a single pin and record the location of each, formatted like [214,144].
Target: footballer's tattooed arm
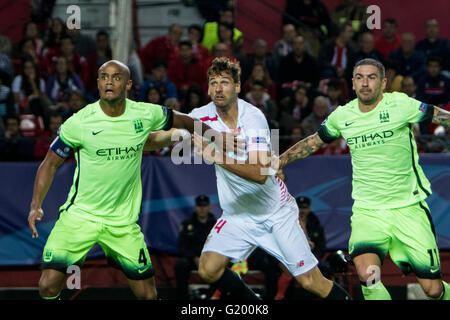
[441,117]
[301,149]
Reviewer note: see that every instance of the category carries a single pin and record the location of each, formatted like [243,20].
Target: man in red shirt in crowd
[161,48]
[389,40]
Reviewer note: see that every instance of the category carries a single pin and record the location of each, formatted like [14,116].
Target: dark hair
[26,84]
[229,26]
[102,33]
[433,58]
[225,65]
[258,83]
[334,83]
[198,28]
[390,21]
[371,62]
[185,43]
[160,63]
[342,26]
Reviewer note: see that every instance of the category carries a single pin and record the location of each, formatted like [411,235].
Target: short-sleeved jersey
[238,195]
[386,171]
[108,150]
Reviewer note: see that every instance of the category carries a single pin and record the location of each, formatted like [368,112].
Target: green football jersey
[108,150]
[386,171]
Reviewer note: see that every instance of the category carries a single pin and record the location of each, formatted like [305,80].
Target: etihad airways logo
[120,153]
[368,140]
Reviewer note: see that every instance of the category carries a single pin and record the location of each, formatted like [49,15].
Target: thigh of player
[371,232]
[125,249]
[69,242]
[414,246]
[287,242]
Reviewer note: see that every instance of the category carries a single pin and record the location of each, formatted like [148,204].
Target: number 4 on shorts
[142,258]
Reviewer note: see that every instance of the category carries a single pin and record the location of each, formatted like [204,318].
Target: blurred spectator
[284,46]
[211,29]
[295,135]
[54,34]
[191,238]
[6,65]
[298,67]
[389,40]
[366,50]
[261,55]
[294,108]
[219,50]
[27,51]
[160,48]
[158,79]
[409,61]
[95,59]
[394,80]
[261,99]
[260,73]
[409,87]
[319,113]
[433,88]
[83,43]
[136,70]
[195,35]
[154,96]
[226,35]
[185,70]
[334,93]
[311,19]
[75,103]
[31,31]
[335,54]
[14,146]
[43,142]
[433,45]
[77,63]
[62,82]
[28,90]
[7,105]
[195,98]
[352,11]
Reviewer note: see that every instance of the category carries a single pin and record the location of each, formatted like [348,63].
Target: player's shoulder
[142,108]
[249,111]
[206,111]
[396,99]
[84,113]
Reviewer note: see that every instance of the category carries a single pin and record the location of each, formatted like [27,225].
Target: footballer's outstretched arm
[441,117]
[161,139]
[301,149]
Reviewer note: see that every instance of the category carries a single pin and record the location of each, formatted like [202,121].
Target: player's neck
[229,114]
[369,107]
[113,108]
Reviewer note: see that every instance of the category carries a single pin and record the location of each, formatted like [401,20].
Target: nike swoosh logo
[434,270]
[95,133]
[348,123]
[141,271]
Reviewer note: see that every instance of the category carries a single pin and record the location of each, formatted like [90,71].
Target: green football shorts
[406,233]
[72,237]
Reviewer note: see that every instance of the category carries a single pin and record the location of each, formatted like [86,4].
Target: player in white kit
[258,210]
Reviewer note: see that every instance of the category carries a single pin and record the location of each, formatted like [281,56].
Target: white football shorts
[236,236]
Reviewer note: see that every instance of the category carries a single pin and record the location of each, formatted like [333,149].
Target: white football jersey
[238,196]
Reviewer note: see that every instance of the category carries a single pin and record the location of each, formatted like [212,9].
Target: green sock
[445,292]
[52,298]
[375,292]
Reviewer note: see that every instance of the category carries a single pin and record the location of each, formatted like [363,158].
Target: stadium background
[169,190]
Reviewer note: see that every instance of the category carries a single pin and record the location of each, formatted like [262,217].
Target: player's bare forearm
[301,149]
[161,139]
[245,170]
[441,117]
[44,178]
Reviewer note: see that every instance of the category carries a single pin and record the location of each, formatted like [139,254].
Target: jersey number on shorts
[220,224]
[142,258]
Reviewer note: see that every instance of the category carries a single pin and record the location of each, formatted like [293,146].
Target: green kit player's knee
[376,291]
[445,295]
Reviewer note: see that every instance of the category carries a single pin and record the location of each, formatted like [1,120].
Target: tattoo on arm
[441,117]
[301,149]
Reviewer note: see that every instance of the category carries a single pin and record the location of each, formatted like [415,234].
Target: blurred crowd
[51,72]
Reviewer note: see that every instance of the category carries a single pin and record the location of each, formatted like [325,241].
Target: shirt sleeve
[329,130]
[70,132]
[258,136]
[161,117]
[415,110]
